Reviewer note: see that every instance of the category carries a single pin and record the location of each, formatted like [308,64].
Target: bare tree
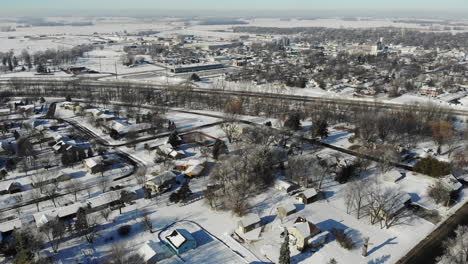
[140,176]
[51,192]
[74,186]
[105,213]
[356,192]
[146,220]
[231,129]
[103,184]
[54,231]
[36,195]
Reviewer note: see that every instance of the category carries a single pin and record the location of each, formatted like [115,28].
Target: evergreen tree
[10,64]
[219,148]
[320,129]
[90,153]
[293,122]
[174,139]
[285,253]
[65,159]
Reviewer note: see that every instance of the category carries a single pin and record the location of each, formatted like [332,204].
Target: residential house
[451,183]
[52,179]
[308,196]
[94,165]
[285,186]
[396,207]
[6,228]
[169,151]
[301,232]
[10,187]
[248,223]
[181,241]
[431,91]
[191,168]
[103,201]
[153,252]
[161,182]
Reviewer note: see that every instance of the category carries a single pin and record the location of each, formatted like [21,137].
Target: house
[103,201]
[6,228]
[285,210]
[451,183]
[307,196]
[9,187]
[285,186]
[395,207]
[181,241]
[248,223]
[169,151]
[191,168]
[42,218]
[196,137]
[69,211]
[94,165]
[69,145]
[301,232]
[7,146]
[153,252]
[52,179]
[161,182]
[431,91]
[393,176]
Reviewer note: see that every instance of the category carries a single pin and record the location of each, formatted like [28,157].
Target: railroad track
[39,85]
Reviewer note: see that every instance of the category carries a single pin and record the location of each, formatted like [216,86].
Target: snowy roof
[305,227]
[10,225]
[5,185]
[451,182]
[162,177]
[68,210]
[43,218]
[309,193]
[103,199]
[281,184]
[195,169]
[289,207]
[94,161]
[149,250]
[249,219]
[393,175]
[166,148]
[178,237]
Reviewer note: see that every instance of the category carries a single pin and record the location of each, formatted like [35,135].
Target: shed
[152,252]
[285,186]
[307,196]
[248,223]
[181,241]
[393,176]
[285,210]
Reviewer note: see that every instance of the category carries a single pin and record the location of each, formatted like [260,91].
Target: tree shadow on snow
[380,260]
[386,242]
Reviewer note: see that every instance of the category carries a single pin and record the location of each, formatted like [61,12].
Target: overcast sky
[238,4]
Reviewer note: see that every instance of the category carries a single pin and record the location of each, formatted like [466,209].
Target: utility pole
[365,246]
[116,75]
